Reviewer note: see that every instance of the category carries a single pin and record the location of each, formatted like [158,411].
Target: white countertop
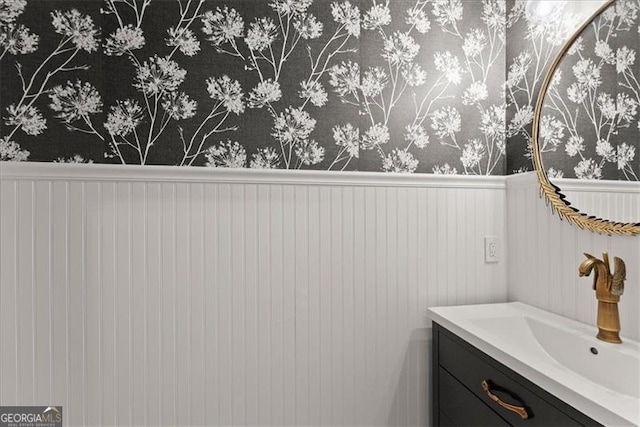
[518,351]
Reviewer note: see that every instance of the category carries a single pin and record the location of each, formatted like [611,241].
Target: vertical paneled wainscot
[545,253]
[162,295]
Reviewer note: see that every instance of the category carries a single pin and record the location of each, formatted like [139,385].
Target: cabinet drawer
[466,363]
[460,407]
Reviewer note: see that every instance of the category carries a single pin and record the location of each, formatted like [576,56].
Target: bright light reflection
[542,9]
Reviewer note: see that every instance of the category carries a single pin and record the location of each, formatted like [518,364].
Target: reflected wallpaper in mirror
[589,123]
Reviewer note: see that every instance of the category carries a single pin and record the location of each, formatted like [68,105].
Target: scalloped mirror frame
[552,193]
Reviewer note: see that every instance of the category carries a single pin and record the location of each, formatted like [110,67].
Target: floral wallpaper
[589,126]
[368,85]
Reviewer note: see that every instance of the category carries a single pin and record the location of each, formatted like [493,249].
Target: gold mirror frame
[552,193]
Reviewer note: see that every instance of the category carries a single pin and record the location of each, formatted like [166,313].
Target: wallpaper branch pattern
[589,126]
[595,110]
[364,84]
[428,86]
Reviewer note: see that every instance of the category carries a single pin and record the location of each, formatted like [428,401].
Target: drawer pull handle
[517,409]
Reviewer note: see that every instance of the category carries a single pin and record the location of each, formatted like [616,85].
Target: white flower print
[553,173]
[492,123]
[27,118]
[123,118]
[472,154]
[626,107]
[348,15]
[314,92]
[518,69]
[625,58]
[179,106]
[265,93]
[79,28]
[75,101]
[11,9]
[588,169]
[576,47]
[551,133]
[309,153]
[373,82]
[587,73]
[292,126]
[449,65]
[124,40]
[494,14]
[159,75]
[607,106]
[400,48]
[375,136]
[11,151]
[17,40]
[445,169]
[265,158]
[228,154]
[75,159]
[448,12]
[446,122]
[416,135]
[595,117]
[577,93]
[222,26]
[605,150]
[291,7]
[418,18]
[400,161]
[475,93]
[521,118]
[625,155]
[625,11]
[228,92]
[557,78]
[574,145]
[414,75]
[184,39]
[604,51]
[401,98]
[308,27]
[378,16]
[345,79]
[347,136]
[474,43]
[261,34]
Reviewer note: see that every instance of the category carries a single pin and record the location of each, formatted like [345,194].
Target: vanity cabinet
[465,377]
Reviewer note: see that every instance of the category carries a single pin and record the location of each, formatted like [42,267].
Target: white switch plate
[491,252]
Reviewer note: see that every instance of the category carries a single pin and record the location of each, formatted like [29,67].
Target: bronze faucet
[608,289]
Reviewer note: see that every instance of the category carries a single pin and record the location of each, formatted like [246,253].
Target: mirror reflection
[589,124]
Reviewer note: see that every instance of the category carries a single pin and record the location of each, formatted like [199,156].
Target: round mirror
[586,129]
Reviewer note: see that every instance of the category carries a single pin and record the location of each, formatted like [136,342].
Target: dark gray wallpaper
[425,86]
[589,127]
[408,86]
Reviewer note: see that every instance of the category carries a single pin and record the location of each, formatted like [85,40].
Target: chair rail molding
[136,173]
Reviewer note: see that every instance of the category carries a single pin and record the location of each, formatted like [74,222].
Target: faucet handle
[586,266]
[619,276]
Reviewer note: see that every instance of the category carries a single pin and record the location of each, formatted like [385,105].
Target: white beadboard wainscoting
[545,252]
[184,296]
[614,200]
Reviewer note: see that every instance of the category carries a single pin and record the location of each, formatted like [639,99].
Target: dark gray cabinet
[459,398]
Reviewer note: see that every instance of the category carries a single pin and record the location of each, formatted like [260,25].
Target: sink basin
[602,363]
[561,355]
[609,365]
